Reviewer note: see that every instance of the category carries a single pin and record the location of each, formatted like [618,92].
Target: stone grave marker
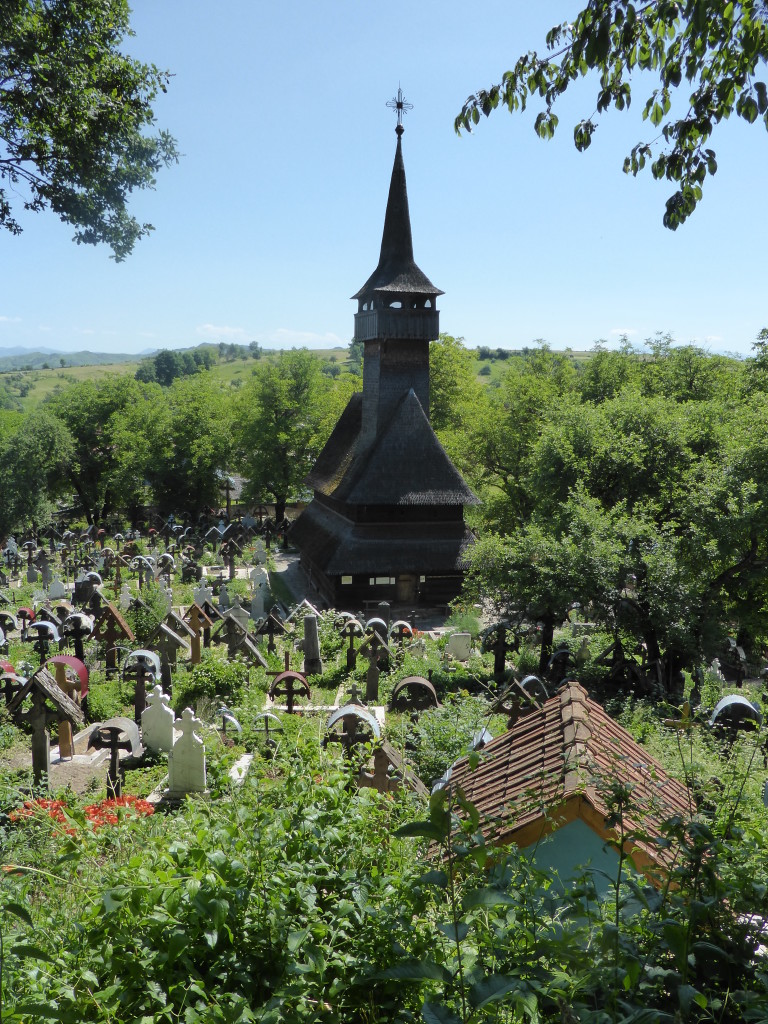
[57,591]
[203,594]
[238,613]
[157,722]
[313,665]
[459,646]
[186,760]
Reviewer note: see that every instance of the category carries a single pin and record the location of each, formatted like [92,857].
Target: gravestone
[186,760]
[239,614]
[203,594]
[313,665]
[126,597]
[157,722]
[45,569]
[459,646]
[57,591]
[224,601]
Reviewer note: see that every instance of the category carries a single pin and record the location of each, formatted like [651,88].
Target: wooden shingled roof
[339,547]
[406,465]
[397,271]
[555,765]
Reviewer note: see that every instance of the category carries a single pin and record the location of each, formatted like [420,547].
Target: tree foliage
[633,486]
[76,118]
[712,50]
[102,470]
[283,420]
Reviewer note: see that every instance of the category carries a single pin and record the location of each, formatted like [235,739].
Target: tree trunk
[547,638]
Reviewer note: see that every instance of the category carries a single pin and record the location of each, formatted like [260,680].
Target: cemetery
[458,724]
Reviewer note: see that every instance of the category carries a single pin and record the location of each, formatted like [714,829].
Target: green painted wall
[574,846]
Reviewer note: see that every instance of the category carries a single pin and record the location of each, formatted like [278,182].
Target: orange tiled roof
[555,764]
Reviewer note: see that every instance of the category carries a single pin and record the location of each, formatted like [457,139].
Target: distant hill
[13,359]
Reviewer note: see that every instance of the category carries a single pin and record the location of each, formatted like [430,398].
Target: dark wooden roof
[338,454]
[406,465]
[555,764]
[397,271]
[342,548]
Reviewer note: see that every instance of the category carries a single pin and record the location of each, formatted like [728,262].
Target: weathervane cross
[399,104]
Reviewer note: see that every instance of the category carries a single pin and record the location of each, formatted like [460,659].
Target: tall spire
[397,270]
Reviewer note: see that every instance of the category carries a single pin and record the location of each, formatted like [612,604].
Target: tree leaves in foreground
[74,118]
[708,50]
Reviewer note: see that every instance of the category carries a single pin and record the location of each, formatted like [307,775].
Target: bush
[212,678]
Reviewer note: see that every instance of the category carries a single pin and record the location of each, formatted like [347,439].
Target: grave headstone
[313,664]
[157,722]
[459,646]
[57,591]
[203,594]
[239,614]
[186,760]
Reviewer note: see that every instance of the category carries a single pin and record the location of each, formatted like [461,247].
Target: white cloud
[618,331]
[44,327]
[10,319]
[215,333]
[711,339]
[84,330]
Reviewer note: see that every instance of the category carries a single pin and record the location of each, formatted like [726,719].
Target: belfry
[387,517]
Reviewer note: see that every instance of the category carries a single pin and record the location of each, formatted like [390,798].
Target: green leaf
[24,950]
[439,878]
[424,829]
[415,970]
[295,939]
[687,994]
[456,931]
[34,1010]
[18,911]
[436,1013]
[491,989]
[488,897]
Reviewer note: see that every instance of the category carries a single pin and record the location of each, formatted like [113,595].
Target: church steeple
[397,282]
[397,273]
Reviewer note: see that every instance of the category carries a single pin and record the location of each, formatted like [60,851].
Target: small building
[545,786]
[387,518]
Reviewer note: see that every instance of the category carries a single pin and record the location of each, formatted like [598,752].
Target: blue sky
[273,216]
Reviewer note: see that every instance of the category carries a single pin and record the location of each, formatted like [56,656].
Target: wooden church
[387,517]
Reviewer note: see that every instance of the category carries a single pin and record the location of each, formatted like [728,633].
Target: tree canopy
[632,485]
[709,49]
[76,117]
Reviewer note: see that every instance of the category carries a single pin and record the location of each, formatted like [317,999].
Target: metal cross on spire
[399,104]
